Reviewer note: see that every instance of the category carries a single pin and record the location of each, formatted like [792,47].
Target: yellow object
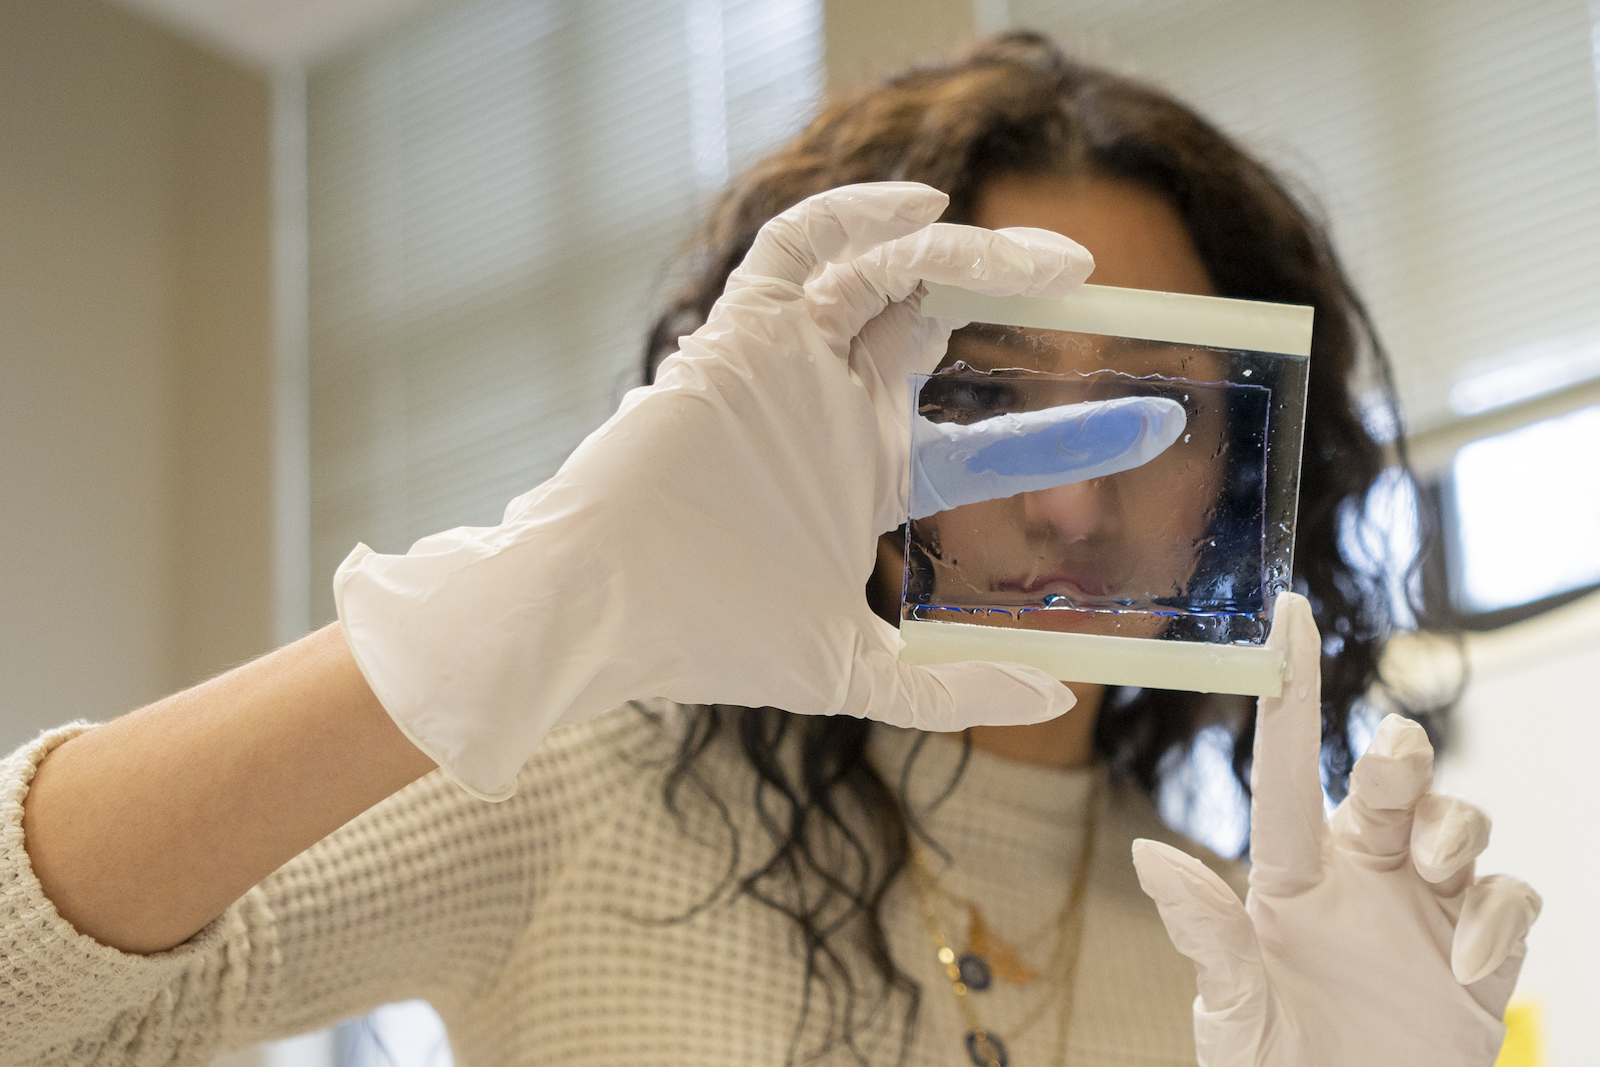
[1524,1046]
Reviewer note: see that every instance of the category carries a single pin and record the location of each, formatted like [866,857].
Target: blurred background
[278,277]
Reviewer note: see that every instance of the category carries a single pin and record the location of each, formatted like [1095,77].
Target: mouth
[1074,585]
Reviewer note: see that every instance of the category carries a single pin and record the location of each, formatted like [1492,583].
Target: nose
[1072,514]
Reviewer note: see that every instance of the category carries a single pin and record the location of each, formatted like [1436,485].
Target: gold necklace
[984,1048]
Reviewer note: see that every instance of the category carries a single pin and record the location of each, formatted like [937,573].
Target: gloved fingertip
[914,200]
[1060,264]
[1535,904]
[910,201]
[1066,276]
[1165,876]
[1446,834]
[1472,960]
[1156,876]
[1045,697]
[1142,847]
[986,694]
[1179,875]
[1496,915]
[1153,851]
[1398,737]
[1291,615]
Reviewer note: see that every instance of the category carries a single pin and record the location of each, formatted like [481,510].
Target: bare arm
[145,829]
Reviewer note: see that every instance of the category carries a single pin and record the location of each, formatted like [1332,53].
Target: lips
[1074,585]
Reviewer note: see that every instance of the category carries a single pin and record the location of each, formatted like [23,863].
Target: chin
[1074,621]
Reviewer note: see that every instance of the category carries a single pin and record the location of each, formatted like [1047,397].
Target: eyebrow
[991,348]
[1128,345]
[987,351]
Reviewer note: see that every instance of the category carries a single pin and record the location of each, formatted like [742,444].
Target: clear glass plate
[1157,566]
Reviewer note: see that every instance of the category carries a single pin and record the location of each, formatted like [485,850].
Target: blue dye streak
[1065,447]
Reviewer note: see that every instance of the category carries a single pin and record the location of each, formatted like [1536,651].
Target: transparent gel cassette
[1104,487]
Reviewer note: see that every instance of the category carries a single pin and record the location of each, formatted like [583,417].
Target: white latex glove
[711,542]
[1365,939]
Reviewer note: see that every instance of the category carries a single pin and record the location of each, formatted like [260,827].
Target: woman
[699,882]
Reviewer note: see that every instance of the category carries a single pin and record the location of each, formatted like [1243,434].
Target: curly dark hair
[1016,105]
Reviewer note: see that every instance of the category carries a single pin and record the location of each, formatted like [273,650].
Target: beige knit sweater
[550,929]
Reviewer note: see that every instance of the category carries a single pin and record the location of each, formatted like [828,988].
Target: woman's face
[1136,532]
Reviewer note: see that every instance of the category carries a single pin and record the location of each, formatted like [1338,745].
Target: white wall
[1527,750]
[86,222]
[867,41]
[221,444]
[134,348]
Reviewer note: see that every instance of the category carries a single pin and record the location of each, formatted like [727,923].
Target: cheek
[1171,504]
[1166,515]
[970,540]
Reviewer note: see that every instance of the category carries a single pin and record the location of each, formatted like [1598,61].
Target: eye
[966,399]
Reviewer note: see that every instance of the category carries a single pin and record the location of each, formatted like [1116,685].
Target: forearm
[145,829]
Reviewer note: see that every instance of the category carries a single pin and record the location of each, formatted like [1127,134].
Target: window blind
[1454,145]
[493,187]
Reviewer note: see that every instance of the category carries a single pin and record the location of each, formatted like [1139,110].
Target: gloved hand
[711,542]
[1365,939]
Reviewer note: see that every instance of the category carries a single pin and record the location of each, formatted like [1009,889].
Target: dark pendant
[975,971]
[995,1053]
